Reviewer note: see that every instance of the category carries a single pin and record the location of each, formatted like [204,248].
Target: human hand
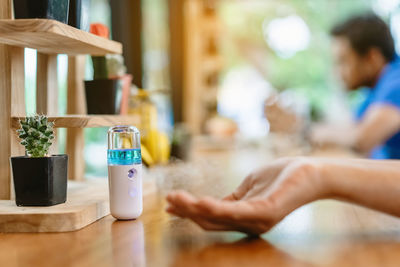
[263,199]
[333,135]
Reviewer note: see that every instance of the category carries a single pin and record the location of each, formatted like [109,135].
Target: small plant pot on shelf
[78,16]
[40,181]
[103,96]
[42,9]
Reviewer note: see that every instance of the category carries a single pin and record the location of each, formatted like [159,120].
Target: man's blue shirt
[387,92]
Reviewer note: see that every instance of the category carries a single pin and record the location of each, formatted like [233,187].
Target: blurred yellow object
[141,105]
[158,144]
[147,158]
[155,142]
[164,147]
[126,141]
[151,141]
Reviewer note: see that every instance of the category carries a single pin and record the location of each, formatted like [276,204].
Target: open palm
[264,198]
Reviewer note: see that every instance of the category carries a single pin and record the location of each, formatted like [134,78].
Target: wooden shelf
[53,37]
[86,121]
[86,203]
[213,63]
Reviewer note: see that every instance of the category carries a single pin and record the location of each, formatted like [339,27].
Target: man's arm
[380,122]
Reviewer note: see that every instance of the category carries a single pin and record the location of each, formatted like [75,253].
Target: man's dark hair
[365,32]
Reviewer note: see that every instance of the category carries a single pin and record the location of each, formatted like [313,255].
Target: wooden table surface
[324,233]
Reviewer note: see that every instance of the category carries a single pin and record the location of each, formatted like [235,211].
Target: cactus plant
[36,133]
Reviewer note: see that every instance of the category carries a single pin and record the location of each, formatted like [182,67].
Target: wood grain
[53,37]
[17,101]
[87,202]
[86,121]
[5,115]
[176,64]
[17,58]
[12,101]
[5,103]
[193,109]
[47,90]
[13,97]
[322,234]
[76,153]
[76,104]
[46,85]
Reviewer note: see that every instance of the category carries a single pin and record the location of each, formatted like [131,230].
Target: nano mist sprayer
[125,172]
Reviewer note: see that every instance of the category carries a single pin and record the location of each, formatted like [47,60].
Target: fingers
[182,200]
[184,212]
[233,210]
[206,225]
[262,177]
[230,197]
[216,209]
[212,214]
[241,191]
[248,217]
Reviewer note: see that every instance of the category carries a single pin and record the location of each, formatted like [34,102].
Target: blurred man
[364,52]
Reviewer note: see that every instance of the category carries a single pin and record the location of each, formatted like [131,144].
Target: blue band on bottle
[124,156]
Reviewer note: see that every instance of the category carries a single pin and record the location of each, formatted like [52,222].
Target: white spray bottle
[125,172]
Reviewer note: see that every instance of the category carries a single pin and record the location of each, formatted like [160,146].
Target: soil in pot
[103,96]
[40,181]
[44,9]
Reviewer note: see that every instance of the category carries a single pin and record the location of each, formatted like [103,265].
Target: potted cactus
[110,85]
[39,179]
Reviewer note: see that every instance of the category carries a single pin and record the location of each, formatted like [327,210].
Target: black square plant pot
[42,9]
[78,16]
[103,96]
[40,181]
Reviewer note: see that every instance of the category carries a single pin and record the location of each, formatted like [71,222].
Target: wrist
[321,179]
[328,180]
[314,173]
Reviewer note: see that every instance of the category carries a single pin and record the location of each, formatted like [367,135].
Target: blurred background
[212,69]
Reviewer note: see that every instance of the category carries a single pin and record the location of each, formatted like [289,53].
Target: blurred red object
[126,87]
[100,29]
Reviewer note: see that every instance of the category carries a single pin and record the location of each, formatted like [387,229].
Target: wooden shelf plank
[53,37]
[86,121]
[213,63]
[86,203]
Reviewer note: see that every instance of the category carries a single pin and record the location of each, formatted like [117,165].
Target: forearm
[342,135]
[374,184]
[380,123]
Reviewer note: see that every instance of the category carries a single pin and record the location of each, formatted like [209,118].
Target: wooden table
[325,233]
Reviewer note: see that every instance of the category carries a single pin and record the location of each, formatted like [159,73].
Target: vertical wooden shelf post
[176,65]
[193,113]
[195,61]
[47,89]
[46,85]
[12,101]
[76,104]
